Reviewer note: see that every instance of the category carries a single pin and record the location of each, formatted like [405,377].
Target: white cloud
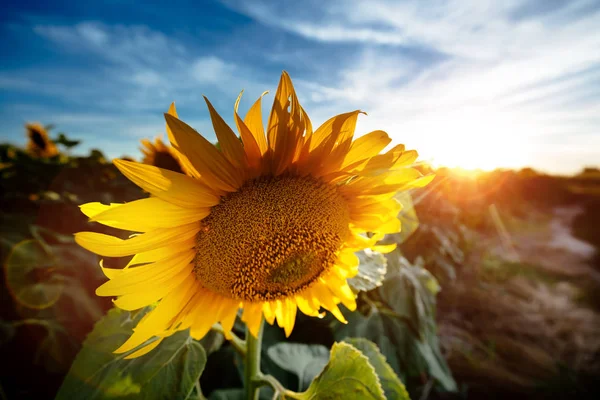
[143,69]
[504,86]
[211,70]
[147,78]
[93,34]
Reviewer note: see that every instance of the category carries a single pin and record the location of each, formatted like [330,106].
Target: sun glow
[473,138]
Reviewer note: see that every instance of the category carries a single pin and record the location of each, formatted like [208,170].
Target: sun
[474,138]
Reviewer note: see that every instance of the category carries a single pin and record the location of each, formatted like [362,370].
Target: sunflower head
[268,222]
[160,155]
[39,144]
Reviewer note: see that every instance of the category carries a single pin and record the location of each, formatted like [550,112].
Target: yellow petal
[147,214]
[330,130]
[227,322]
[188,168]
[252,316]
[379,164]
[254,122]
[95,208]
[203,315]
[285,127]
[329,143]
[340,289]
[251,147]
[384,249]
[366,146]
[229,142]
[376,223]
[305,307]
[368,206]
[348,258]
[268,312]
[155,292]
[110,246]
[158,319]
[326,299]
[212,165]
[406,158]
[390,182]
[169,186]
[110,273]
[289,315]
[279,312]
[342,145]
[145,350]
[135,279]
[160,253]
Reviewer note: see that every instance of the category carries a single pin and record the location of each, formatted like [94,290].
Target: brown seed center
[271,238]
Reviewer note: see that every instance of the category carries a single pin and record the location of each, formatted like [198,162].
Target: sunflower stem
[252,370]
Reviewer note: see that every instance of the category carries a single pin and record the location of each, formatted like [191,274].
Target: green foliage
[392,386]
[348,375]
[168,372]
[371,271]
[400,319]
[304,360]
[62,139]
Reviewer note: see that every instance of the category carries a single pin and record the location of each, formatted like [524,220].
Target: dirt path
[507,335]
[550,246]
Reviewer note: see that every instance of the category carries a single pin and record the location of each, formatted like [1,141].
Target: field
[494,291]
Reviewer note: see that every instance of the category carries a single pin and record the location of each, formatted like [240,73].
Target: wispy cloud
[512,79]
[137,73]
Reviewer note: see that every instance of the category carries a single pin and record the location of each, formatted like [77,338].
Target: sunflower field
[289,261]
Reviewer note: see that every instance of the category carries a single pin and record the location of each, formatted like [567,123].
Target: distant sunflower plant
[267,223]
[39,144]
[160,155]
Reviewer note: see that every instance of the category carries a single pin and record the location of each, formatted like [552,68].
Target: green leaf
[212,341]
[304,360]
[371,271]
[392,386]
[168,372]
[347,375]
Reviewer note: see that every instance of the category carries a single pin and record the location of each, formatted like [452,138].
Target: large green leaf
[371,271]
[168,372]
[304,360]
[347,375]
[392,385]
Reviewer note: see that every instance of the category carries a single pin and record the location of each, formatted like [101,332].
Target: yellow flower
[160,155]
[39,144]
[268,224]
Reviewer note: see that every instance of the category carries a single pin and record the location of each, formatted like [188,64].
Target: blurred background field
[493,293]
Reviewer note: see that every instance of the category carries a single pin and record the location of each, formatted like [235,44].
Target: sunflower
[160,155]
[39,144]
[268,224]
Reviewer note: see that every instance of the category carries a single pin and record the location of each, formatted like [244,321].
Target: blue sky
[472,83]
